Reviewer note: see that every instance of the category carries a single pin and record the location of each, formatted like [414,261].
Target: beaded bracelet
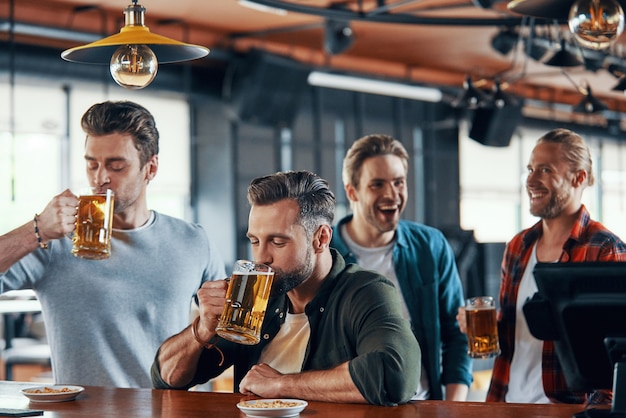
[42,244]
[206,344]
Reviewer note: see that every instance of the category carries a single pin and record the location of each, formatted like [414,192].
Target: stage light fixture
[563,57]
[338,36]
[621,85]
[501,98]
[470,97]
[590,104]
[504,41]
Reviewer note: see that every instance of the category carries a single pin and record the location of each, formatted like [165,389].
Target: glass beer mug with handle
[482,327]
[248,292]
[94,222]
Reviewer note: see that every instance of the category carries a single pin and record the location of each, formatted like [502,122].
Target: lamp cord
[571,80]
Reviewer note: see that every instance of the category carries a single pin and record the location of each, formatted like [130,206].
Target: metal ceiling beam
[382,16]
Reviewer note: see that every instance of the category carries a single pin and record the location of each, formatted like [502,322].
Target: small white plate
[272,407]
[52,393]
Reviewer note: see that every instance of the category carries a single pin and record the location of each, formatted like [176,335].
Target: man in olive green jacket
[352,344]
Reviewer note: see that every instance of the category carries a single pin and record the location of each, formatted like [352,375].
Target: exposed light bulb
[133,66]
[596,23]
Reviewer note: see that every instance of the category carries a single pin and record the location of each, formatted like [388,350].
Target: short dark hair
[575,151]
[312,193]
[370,146]
[124,117]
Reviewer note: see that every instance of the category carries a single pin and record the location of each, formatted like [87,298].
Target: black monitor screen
[585,304]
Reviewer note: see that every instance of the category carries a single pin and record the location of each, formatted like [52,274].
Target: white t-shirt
[380,260]
[525,383]
[285,352]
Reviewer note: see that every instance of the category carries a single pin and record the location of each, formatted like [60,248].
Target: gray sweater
[105,319]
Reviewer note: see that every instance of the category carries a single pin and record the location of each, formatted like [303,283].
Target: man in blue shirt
[416,257]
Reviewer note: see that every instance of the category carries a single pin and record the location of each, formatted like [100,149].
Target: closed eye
[117,167]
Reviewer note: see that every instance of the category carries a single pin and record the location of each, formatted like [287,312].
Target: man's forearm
[16,244]
[333,385]
[178,358]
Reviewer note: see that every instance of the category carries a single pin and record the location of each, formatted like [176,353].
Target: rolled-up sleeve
[386,368]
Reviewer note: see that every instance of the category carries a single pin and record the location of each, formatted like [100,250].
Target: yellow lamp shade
[166,49]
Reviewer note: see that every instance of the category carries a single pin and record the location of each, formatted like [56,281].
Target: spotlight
[471,97]
[502,99]
[589,104]
[621,85]
[593,63]
[504,41]
[563,57]
[338,36]
[616,70]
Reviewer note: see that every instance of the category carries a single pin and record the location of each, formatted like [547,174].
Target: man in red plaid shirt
[527,369]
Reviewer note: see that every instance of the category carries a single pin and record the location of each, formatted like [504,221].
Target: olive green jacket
[355,317]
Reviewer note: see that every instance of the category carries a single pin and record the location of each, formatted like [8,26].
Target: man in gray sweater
[106,318]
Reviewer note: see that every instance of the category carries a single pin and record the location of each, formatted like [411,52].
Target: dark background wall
[255,115]
[270,119]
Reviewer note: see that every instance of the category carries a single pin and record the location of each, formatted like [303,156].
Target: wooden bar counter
[96,402]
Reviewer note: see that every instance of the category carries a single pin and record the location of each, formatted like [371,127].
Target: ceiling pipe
[380,15]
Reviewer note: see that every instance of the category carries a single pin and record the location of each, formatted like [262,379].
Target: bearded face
[279,240]
[550,182]
[553,203]
[286,280]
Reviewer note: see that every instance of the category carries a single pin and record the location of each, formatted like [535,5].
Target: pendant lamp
[595,24]
[134,54]
[621,85]
[590,104]
[563,57]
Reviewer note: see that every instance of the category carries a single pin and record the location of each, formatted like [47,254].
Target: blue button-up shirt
[430,284]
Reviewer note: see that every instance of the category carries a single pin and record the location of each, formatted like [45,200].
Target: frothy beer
[482,329]
[246,301]
[92,236]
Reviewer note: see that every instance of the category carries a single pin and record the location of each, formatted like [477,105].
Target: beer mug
[94,221]
[246,300]
[482,328]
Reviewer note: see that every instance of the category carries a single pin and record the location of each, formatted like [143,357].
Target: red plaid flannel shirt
[588,241]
